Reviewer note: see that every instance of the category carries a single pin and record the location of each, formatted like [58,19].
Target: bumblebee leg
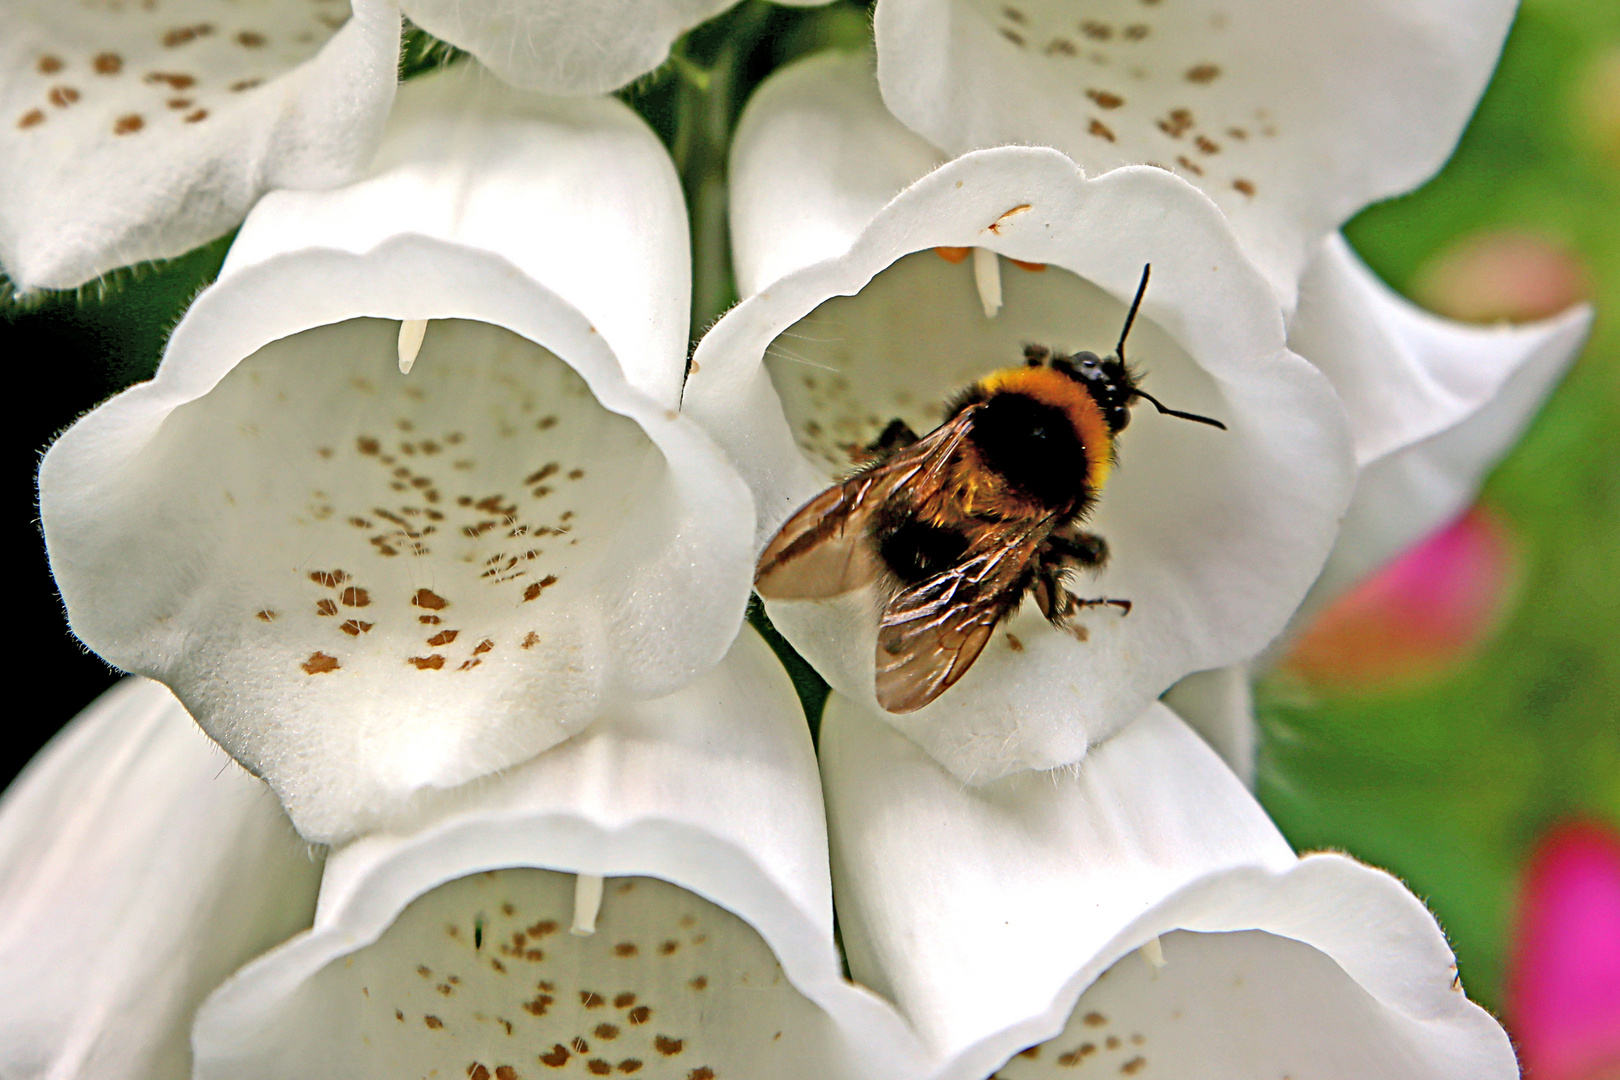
[1065,551]
[1036,355]
[896,435]
[1123,605]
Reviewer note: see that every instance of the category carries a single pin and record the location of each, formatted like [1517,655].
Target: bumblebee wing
[823,549]
[932,632]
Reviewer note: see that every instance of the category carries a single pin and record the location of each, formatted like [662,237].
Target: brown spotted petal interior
[1290,114]
[446,947]
[133,131]
[1138,916]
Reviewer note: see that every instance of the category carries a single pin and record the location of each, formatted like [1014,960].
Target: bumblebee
[957,526]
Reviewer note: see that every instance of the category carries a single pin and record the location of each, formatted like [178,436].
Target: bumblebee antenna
[1130,316]
[1157,404]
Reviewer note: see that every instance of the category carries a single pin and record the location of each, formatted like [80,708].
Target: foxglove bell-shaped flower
[618,905]
[138,131]
[852,319]
[138,868]
[1291,116]
[567,46]
[1433,405]
[366,583]
[1137,916]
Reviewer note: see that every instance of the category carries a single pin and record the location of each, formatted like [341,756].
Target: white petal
[1433,404]
[702,810]
[138,868]
[1219,705]
[331,561]
[1291,115]
[567,46]
[1214,535]
[989,916]
[133,131]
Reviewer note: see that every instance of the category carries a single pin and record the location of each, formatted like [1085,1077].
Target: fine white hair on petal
[444,944]
[368,584]
[1010,916]
[1290,114]
[1214,535]
[571,47]
[132,131]
[139,866]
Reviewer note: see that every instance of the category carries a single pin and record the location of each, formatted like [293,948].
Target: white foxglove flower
[138,131]
[567,46]
[1290,115]
[1215,535]
[1433,405]
[138,868]
[366,583]
[650,899]
[1138,916]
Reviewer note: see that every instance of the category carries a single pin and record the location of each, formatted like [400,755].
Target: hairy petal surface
[446,944]
[137,131]
[1214,535]
[1291,116]
[567,47]
[367,583]
[138,868]
[1006,918]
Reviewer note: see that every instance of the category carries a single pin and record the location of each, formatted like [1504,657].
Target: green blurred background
[1448,781]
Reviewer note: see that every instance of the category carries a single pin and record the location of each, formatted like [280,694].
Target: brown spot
[541,929]
[128,124]
[427,598]
[1244,186]
[1013,36]
[1101,130]
[1111,1043]
[424,971]
[1135,32]
[30,118]
[1207,145]
[534,956]
[107,63]
[639,1015]
[245,84]
[575,474]
[580,1045]
[1031,1052]
[667,1046]
[702,1072]
[173,80]
[368,445]
[1032,267]
[266,615]
[536,588]
[545,423]
[606,1031]
[483,647]
[624,948]
[62,96]
[1014,14]
[591,1000]
[1104,99]
[1203,73]
[598,1067]
[1176,123]
[506,1072]
[1094,1019]
[193,117]
[477,1071]
[327,607]
[329,579]
[355,597]
[1133,1066]
[1014,643]
[539,1005]
[995,226]
[544,472]
[699,983]
[668,948]
[1073,1057]
[426,663]
[623,1001]
[433,1022]
[186,103]
[557,1058]
[630,1065]
[319,664]
[50,65]
[443,637]
[354,627]
[1190,165]
[180,35]
[1096,31]
[250,39]
[399,1016]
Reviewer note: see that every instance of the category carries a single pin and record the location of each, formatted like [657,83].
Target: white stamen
[987,276]
[411,333]
[1153,952]
[587,902]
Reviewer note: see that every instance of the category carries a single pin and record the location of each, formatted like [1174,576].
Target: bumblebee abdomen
[913,548]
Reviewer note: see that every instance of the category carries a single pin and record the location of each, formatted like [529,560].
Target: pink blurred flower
[1416,617]
[1564,994]
[1500,275]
